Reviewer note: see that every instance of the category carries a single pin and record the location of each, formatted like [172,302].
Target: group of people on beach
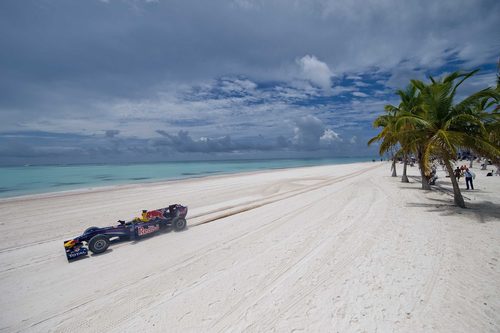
[463,171]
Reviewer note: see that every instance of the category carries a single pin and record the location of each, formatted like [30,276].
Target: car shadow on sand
[100,254]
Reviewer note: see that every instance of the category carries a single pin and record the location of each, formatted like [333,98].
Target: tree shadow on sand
[482,211]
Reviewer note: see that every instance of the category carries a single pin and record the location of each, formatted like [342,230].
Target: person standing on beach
[458,173]
[468,178]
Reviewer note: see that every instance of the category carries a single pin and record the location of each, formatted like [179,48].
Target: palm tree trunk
[393,167]
[425,179]
[404,179]
[457,195]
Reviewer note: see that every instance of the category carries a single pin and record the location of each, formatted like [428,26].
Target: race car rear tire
[98,244]
[179,224]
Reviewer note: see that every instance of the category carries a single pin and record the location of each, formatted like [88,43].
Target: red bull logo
[154,213]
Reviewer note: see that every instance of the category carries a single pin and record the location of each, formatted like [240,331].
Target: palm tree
[395,135]
[491,121]
[442,127]
[410,101]
[387,135]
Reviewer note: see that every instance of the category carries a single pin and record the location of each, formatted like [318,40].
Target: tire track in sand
[184,262]
[208,217]
[218,275]
[328,245]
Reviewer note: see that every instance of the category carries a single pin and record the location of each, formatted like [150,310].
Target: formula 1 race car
[98,239]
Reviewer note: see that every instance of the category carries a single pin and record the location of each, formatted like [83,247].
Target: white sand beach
[341,248]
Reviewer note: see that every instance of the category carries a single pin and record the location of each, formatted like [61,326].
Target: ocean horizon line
[183,161]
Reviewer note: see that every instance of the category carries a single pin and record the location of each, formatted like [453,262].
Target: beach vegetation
[431,124]
[410,102]
[396,136]
[388,136]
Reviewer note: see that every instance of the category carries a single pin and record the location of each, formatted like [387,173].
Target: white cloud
[359,94]
[330,136]
[338,90]
[361,84]
[237,85]
[315,71]
[354,77]
[311,134]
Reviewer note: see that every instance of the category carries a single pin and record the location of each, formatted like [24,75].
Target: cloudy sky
[136,80]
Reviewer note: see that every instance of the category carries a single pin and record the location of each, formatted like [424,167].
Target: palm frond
[465,76]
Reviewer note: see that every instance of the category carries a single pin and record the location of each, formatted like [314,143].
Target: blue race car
[97,240]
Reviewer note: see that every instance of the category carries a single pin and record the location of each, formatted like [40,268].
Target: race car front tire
[98,244]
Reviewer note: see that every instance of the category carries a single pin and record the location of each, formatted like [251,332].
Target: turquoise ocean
[22,180]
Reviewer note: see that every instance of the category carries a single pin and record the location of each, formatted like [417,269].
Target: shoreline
[103,188]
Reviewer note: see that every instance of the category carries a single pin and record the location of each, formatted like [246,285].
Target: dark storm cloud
[308,132]
[60,148]
[182,142]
